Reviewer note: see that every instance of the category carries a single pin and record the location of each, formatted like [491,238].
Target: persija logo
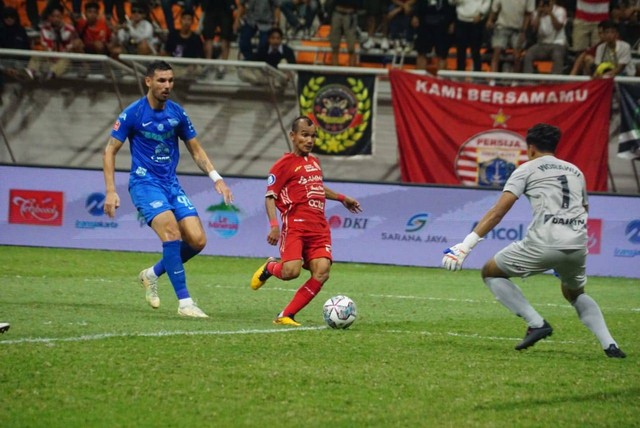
[37,207]
[594,235]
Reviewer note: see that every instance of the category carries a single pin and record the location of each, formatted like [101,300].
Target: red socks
[275,269]
[302,297]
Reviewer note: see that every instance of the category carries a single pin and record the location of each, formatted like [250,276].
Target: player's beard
[162,96]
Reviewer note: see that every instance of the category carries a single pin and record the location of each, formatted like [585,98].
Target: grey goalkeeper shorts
[521,260]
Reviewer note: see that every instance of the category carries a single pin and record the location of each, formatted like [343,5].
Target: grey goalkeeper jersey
[557,192]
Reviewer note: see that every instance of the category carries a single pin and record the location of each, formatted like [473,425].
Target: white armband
[215,176]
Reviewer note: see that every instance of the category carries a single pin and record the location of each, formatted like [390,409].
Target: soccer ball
[339,312]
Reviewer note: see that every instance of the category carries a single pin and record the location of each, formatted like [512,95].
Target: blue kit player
[153,125]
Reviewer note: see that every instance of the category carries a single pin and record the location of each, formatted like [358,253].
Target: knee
[290,272]
[199,243]
[571,294]
[321,277]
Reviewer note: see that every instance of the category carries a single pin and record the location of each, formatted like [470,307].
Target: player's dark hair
[295,126]
[188,12]
[92,5]
[157,66]
[544,136]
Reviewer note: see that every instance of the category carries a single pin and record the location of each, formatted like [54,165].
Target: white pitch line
[251,331]
[156,334]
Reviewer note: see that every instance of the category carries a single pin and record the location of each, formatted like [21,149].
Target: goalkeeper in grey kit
[556,239]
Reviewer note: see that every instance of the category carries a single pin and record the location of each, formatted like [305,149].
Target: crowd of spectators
[595,37]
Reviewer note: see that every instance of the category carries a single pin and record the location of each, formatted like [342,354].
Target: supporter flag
[629,138]
[342,109]
[461,133]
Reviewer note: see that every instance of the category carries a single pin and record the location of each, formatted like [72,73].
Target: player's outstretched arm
[112,200]
[349,203]
[454,256]
[204,163]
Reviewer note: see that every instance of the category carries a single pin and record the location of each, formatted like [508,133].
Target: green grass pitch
[429,348]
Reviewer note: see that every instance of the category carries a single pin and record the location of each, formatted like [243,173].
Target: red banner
[460,133]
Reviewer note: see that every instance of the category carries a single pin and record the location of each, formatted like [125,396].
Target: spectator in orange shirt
[94,31]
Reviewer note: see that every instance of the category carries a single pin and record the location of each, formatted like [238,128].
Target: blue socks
[172,262]
[186,253]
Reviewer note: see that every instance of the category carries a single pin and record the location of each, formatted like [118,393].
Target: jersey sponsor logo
[173,123]
[141,172]
[145,124]
[159,137]
[162,154]
[314,203]
[310,179]
[488,158]
[36,207]
[311,168]
[594,235]
[576,221]
[315,191]
[271,179]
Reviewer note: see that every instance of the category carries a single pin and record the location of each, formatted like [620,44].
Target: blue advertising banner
[401,225]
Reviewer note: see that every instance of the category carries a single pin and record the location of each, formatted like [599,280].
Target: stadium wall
[66,122]
[401,224]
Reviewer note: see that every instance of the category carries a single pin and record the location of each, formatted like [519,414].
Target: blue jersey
[153,136]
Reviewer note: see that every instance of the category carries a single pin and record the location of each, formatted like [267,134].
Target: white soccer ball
[339,312]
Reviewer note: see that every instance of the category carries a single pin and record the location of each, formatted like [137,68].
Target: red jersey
[296,183]
[98,32]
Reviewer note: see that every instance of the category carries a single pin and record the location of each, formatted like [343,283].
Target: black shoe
[533,335]
[4,326]
[614,352]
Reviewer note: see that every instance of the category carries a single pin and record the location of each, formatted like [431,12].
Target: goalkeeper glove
[454,256]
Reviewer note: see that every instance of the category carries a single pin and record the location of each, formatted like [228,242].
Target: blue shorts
[152,199]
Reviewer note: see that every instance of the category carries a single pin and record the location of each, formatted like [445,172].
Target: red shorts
[305,245]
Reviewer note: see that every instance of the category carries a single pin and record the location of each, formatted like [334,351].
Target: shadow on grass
[628,394]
